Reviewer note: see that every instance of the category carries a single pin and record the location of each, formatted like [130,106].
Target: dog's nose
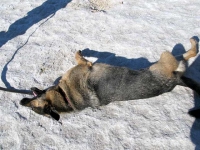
[25,101]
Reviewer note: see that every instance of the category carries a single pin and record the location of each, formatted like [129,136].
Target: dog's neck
[60,103]
[58,100]
[65,97]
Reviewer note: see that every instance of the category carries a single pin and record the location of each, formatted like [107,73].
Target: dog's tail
[16,91]
[195,113]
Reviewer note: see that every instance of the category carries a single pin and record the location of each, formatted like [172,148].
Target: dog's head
[41,103]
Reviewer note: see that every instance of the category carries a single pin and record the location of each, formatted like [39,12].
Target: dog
[94,85]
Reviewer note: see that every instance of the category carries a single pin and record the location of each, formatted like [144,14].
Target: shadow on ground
[112,59]
[19,27]
[194,72]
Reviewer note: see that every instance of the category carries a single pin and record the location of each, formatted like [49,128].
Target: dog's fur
[93,85]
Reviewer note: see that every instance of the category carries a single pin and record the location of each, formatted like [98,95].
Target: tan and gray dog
[93,85]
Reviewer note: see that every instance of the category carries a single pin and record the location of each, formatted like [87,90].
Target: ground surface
[38,40]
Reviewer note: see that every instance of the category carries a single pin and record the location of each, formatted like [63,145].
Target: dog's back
[118,83]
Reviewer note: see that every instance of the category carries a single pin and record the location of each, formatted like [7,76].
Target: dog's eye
[33,108]
[38,110]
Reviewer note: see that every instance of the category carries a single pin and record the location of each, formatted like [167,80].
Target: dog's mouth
[37,92]
[34,94]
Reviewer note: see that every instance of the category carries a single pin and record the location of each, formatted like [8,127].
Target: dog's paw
[79,53]
[195,38]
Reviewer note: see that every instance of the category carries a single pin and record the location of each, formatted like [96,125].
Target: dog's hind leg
[81,60]
[168,64]
[193,51]
[185,81]
[182,59]
[186,56]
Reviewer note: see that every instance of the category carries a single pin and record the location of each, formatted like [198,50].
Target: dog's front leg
[81,60]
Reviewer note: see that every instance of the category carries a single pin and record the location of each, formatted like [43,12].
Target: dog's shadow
[134,63]
[112,59]
[193,72]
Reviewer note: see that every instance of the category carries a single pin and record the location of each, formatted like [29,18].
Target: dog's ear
[52,112]
[81,60]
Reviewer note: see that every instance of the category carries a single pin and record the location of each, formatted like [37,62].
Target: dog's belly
[118,83]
